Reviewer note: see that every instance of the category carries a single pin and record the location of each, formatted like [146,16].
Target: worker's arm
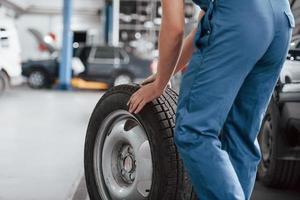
[186,52]
[169,46]
[188,47]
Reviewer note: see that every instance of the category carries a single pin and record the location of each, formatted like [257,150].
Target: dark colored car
[279,138]
[294,51]
[111,65]
[40,73]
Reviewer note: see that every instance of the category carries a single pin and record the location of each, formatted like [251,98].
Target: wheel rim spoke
[266,143]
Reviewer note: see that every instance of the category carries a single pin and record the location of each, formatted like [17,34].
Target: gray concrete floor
[41,146]
[42,138]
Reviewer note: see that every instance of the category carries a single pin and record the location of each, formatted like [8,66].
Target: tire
[162,175]
[288,80]
[122,78]
[274,172]
[4,82]
[38,79]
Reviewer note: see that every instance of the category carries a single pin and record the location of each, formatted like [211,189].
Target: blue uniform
[241,47]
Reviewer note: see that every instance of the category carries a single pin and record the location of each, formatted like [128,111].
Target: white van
[10,54]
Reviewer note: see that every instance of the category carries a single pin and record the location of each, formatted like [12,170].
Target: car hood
[40,39]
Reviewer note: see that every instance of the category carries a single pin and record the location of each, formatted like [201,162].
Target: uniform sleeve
[203,4]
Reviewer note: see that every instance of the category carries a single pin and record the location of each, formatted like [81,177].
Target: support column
[108,22]
[112,9]
[116,22]
[65,67]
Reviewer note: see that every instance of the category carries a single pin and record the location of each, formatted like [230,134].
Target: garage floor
[41,146]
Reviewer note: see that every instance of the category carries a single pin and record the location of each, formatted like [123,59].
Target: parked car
[290,72]
[43,73]
[279,138]
[294,51]
[10,54]
[110,65]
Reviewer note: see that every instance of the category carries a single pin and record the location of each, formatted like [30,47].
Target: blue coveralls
[241,47]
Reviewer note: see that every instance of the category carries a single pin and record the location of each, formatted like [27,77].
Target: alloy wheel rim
[266,143]
[37,79]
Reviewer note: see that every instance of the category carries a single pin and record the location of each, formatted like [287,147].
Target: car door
[10,50]
[296,66]
[294,51]
[101,62]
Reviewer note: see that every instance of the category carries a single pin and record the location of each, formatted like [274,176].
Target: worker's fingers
[133,96]
[140,107]
[129,101]
[133,100]
[135,104]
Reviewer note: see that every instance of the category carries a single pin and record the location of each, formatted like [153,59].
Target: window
[298,45]
[121,55]
[105,53]
[4,42]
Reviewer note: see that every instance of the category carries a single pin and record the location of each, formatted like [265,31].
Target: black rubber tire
[287,80]
[276,173]
[4,82]
[158,119]
[46,80]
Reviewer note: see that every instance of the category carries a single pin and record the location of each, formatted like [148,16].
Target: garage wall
[46,17]
[46,24]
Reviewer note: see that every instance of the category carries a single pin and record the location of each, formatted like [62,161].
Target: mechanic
[234,59]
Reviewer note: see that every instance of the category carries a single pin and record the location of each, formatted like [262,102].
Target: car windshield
[105,53]
[295,43]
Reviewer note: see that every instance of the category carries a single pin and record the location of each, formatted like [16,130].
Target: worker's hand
[148,80]
[144,95]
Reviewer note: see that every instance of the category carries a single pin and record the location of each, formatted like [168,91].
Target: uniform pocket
[197,34]
[291,18]
[204,28]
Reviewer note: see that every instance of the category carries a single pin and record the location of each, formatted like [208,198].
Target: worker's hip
[239,21]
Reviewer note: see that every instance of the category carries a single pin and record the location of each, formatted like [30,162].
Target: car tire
[149,167]
[272,171]
[38,79]
[287,80]
[4,82]
[122,78]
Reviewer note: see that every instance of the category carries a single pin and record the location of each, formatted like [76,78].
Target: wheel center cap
[128,163]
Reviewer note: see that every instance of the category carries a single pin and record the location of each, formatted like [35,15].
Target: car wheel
[121,79]
[133,156]
[38,79]
[4,82]
[272,171]
[287,80]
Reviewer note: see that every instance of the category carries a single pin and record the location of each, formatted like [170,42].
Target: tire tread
[177,185]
